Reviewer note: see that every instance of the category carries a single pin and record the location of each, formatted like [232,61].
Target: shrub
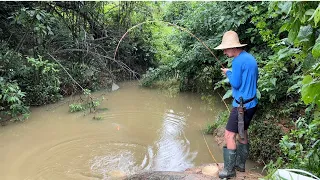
[11,101]
[220,121]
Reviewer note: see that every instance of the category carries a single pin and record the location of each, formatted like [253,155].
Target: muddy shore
[204,172]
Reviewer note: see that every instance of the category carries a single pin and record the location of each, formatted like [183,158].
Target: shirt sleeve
[234,76]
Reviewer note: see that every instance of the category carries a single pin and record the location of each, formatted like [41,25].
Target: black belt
[246,101]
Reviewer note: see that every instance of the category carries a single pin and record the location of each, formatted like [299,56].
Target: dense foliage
[284,38]
[52,49]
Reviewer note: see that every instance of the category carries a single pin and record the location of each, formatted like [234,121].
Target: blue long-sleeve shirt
[243,79]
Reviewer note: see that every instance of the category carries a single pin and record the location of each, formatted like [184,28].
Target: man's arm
[234,76]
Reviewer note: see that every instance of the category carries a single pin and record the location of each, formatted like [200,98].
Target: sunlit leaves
[311,88]
[310,93]
[301,146]
[266,22]
[316,48]
[316,15]
[284,27]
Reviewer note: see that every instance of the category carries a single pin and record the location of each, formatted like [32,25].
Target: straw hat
[230,39]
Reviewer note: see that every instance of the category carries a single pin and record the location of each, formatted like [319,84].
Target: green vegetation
[284,37]
[220,121]
[87,103]
[11,101]
[98,118]
[53,49]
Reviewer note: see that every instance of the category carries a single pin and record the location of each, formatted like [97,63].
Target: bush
[87,103]
[220,121]
[11,101]
[42,81]
[264,140]
[301,147]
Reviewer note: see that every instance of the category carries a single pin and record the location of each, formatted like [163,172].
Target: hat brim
[221,46]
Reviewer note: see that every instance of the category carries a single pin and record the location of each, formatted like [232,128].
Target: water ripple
[173,148]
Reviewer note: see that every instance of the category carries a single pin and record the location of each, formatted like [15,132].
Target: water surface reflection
[143,130]
[173,148]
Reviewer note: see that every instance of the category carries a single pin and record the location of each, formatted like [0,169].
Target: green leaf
[286,52]
[258,94]
[38,17]
[285,7]
[308,62]
[317,15]
[305,33]
[294,87]
[307,79]
[316,50]
[284,27]
[228,94]
[310,93]
[316,115]
[294,31]
[309,12]
[273,81]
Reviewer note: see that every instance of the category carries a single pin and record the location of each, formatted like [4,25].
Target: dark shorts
[232,124]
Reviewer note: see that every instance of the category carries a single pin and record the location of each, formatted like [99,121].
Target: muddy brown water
[143,129]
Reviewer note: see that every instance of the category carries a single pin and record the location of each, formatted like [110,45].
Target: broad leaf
[286,52]
[307,79]
[317,15]
[308,62]
[310,93]
[309,12]
[258,94]
[316,50]
[305,33]
[294,31]
[284,27]
[285,6]
[228,94]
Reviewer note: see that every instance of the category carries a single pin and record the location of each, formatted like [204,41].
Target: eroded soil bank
[204,172]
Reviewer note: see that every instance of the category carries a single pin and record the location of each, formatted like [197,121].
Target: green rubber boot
[229,157]
[242,155]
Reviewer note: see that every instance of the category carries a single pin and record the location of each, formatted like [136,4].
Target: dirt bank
[199,172]
[204,172]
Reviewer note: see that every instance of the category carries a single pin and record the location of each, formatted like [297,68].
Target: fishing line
[179,27]
[204,138]
[185,30]
[224,102]
[169,24]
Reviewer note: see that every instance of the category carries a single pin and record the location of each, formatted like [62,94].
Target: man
[243,79]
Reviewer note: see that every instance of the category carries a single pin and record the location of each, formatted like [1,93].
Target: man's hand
[224,70]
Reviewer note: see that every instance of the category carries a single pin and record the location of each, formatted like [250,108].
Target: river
[143,129]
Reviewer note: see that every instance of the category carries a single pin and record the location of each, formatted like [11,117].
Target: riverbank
[204,172]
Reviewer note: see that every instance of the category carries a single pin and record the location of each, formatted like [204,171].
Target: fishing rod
[179,27]
[169,24]
[185,30]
